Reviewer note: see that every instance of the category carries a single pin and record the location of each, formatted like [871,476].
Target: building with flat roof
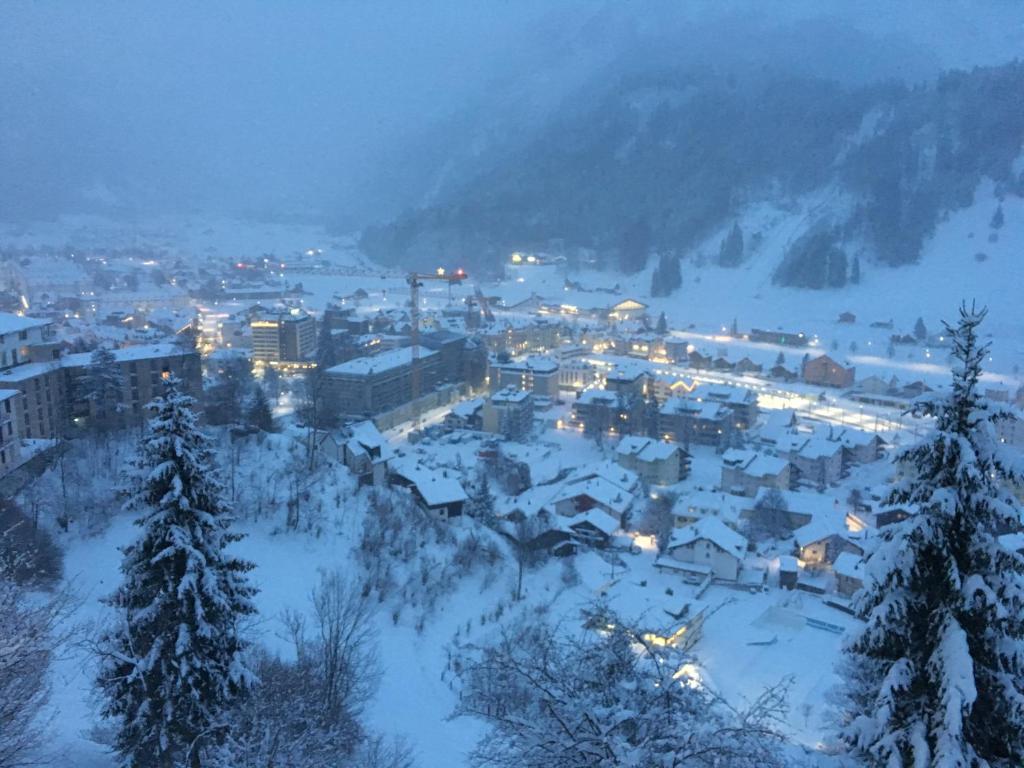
[52,390]
[285,337]
[509,411]
[366,386]
[536,373]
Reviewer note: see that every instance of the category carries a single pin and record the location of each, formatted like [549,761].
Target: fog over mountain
[349,113]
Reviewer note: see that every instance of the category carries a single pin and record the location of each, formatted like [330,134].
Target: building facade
[367,386]
[285,337]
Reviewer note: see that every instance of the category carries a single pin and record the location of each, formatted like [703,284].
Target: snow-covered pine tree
[173,661]
[258,414]
[935,676]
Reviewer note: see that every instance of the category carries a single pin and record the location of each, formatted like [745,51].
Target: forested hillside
[658,161]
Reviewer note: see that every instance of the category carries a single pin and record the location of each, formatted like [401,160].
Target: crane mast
[414,279]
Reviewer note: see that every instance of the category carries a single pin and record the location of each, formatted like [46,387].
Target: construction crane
[414,279]
[485,305]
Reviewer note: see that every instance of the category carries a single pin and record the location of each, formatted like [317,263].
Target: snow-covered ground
[751,640]
[415,697]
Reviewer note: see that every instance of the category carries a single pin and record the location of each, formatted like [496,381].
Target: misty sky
[350,110]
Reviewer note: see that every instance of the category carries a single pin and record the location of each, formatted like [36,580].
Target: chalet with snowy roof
[744,472]
[465,415]
[696,505]
[823,371]
[627,309]
[860,447]
[819,462]
[782,373]
[434,490]
[676,350]
[593,528]
[746,365]
[822,541]
[657,462]
[580,496]
[365,452]
[707,547]
[849,571]
[801,508]
[696,359]
[775,427]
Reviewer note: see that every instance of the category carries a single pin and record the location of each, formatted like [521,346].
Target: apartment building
[366,386]
[690,422]
[18,335]
[509,412]
[535,373]
[51,391]
[142,370]
[286,337]
[10,440]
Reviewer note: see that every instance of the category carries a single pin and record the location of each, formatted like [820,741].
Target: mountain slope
[677,156]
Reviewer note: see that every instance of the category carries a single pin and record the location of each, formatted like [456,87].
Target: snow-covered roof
[820,528]
[437,490]
[671,564]
[11,323]
[599,519]
[710,411]
[367,434]
[7,394]
[27,371]
[753,463]
[820,448]
[511,395]
[710,529]
[626,479]
[432,485]
[588,396]
[533,364]
[788,564]
[850,565]
[854,438]
[385,361]
[645,448]
[468,408]
[604,492]
[125,354]
[723,393]
[708,503]
[810,504]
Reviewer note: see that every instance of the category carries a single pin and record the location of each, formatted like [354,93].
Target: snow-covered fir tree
[258,414]
[172,661]
[935,676]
